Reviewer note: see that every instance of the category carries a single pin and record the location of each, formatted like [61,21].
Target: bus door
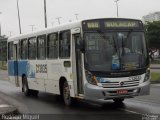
[15,57]
[78,62]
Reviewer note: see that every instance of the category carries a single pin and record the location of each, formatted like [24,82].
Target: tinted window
[32,48]
[41,50]
[24,49]
[10,51]
[64,44]
[52,45]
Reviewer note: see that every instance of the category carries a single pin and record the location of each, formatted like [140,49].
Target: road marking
[130,111]
[148,102]
[4,105]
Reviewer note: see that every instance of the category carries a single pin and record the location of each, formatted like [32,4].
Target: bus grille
[120,84]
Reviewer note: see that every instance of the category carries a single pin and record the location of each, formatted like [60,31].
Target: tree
[153,34]
[3,48]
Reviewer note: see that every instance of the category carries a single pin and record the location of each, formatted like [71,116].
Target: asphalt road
[51,107]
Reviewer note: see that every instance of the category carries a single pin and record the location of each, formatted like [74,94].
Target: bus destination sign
[93,25]
[121,24]
[107,24]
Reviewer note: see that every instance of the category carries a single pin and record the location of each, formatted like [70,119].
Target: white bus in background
[97,59]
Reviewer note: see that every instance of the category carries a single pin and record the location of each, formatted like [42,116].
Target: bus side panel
[66,71]
[39,68]
[26,68]
[22,65]
[54,73]
[21,71]
[56,70]
[12,68]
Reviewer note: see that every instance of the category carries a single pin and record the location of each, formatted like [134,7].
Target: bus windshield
[111,51]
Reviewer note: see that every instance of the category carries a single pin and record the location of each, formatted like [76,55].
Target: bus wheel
[25,86]
[66,94]
[118,100]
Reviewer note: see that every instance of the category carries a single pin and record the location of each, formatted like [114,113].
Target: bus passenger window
[19,50]
[24,49]
[10,51]
[32,48]
[64,44]
[41,49]
[52,45]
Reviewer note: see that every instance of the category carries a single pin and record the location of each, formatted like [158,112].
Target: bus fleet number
[41,68]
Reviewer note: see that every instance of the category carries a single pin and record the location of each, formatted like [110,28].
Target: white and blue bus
[96,59]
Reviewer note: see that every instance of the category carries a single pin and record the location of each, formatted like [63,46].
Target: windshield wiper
[122,47]
[117,48]
[123,44]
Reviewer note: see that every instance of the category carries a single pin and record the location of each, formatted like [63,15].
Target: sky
[32,12]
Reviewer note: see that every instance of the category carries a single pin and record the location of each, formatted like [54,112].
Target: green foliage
[153,34]
[3,65]
[155,77]
[155,61]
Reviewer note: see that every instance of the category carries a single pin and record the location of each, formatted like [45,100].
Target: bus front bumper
[93,92]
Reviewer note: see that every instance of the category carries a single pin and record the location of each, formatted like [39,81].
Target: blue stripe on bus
[24,67]
[12,68]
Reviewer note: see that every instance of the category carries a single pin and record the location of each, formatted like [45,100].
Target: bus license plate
[122,91]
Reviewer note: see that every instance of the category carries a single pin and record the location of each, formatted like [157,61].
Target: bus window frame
[48,46]
[37,49]
[25,39]
[10,57]
[62,57]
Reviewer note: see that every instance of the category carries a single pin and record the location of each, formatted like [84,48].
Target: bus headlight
[147,75]
[92,79]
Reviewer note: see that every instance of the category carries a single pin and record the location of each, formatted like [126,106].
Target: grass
[155,77]
[3,65]
[155,61]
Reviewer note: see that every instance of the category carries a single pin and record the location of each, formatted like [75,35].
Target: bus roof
[60,27]
[48,30]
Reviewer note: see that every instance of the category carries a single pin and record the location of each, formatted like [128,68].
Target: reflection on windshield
[115,51]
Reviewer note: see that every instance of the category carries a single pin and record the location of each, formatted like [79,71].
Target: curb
[6,109]
[157,85]
[154,67]
[155,82]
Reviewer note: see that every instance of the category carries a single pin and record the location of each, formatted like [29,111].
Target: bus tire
[34,93]
[118,100]
[66,94]
[26,90]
